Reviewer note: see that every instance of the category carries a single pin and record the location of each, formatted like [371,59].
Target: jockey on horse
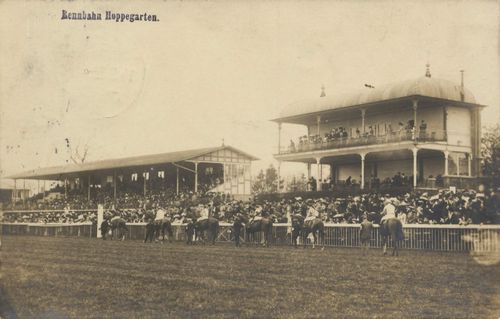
[312,224]
[389,210]
[391,226]
[312,214]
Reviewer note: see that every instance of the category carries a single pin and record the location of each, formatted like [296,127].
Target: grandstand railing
[403,136]
[478,238]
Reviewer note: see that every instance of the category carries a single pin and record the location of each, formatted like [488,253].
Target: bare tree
[79,154]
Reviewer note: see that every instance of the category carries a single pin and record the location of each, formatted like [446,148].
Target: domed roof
[423,86]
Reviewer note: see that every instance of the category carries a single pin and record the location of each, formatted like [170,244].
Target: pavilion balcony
[315,142]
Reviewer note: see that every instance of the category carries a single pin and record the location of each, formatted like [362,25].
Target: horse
[304,228]
[264,225]
[118,227]
[209,225]
[162,227]
[394,228]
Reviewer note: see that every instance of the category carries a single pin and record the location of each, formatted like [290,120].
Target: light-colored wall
[432,166]
[459,126]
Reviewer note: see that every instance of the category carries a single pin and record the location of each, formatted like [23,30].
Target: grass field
[45,277]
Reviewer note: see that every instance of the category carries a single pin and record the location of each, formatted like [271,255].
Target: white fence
[478,238]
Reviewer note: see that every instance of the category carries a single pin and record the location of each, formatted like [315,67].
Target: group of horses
[206,230]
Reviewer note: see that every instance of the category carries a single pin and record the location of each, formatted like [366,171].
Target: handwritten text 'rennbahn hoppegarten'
[109,15]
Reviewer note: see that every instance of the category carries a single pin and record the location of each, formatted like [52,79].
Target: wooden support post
[114,185]
[362,170]
[177,181]
[88,190]
[415,151]
[196,177]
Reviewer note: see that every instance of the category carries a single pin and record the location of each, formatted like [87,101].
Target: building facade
[425,129]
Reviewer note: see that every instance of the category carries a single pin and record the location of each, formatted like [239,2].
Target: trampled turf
[88,278]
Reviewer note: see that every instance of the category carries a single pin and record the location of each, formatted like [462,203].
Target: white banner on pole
[100,218]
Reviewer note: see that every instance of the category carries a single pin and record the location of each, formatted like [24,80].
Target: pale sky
[209,71]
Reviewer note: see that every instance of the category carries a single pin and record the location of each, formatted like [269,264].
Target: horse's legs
[269,236]
[384,245]
[395,249]
[322,238]
[294,238]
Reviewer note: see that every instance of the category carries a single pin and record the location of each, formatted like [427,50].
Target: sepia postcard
[249,159]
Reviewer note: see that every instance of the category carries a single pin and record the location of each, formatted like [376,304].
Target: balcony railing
[322,144]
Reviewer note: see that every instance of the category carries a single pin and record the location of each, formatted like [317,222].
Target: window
[458,164]
[134,177]
[463,165]
[161,174]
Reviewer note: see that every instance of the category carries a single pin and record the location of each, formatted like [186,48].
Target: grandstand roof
[56,172]
[422,86]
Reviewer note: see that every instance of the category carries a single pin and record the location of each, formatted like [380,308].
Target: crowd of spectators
[341,135]
[59,217]
[445,207]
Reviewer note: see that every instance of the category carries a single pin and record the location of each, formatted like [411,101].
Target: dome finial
[322,91]
[428,70]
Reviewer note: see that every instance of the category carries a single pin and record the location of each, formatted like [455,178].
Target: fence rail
[476,238]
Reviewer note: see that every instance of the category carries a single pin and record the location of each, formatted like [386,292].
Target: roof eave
[289,119]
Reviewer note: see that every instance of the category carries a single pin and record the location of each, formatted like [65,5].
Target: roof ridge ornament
[428,70]
[323,94]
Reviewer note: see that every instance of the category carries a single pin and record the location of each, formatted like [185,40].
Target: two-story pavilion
[422,128]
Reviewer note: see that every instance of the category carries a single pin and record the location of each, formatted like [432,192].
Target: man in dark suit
[189,231]
[237,226]
[150,230]
[365,233]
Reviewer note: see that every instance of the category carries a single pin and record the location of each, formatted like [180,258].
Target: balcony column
[318,121]
[469,163]
[446,154]
[114,185]
[23,195]
[363,113]
[362,170]
[88,189]
[279,138]
[414,151]
[308,171]
[65,188]
[318,176]
[195,177]
[144,178]
[177,181]
[457,161]
[279,177]
[415,107]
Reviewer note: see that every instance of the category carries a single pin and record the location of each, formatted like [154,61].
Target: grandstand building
[222,169]
[427,129]
[9,192]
